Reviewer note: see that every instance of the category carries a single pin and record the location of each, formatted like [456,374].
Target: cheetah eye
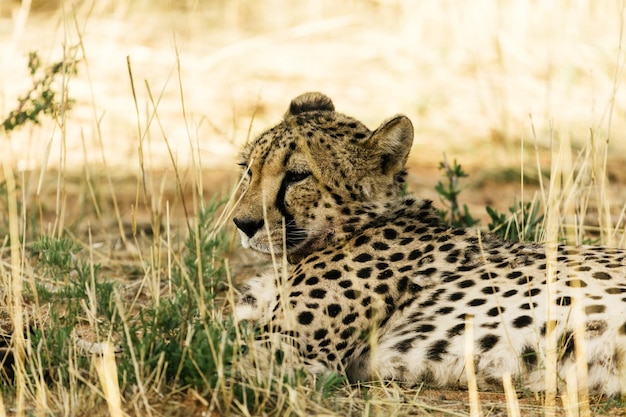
[293,177]
[246,169]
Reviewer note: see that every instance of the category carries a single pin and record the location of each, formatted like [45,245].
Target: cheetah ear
[306,102]
[391,143]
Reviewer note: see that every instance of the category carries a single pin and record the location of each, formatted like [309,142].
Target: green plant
[180,337]
[522,224]
[57,255]
[449,192]
[45,97]
[69,286]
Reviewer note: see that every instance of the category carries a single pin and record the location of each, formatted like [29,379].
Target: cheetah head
[307,179]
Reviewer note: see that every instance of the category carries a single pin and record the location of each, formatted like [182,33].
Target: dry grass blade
[472,385]
[107,372]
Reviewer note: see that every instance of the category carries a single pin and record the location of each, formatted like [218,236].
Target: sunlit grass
[114,280]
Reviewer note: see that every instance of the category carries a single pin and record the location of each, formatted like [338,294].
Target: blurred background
[498,85]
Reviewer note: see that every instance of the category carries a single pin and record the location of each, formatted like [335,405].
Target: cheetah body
[377,286]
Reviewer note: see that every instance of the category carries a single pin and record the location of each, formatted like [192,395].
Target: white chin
[245,240]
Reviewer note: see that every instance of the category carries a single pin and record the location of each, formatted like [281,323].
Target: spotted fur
[377,286]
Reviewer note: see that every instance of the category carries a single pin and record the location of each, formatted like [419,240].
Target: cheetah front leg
[257,302]
[256,298]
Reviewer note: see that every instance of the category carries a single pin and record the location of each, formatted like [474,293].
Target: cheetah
[375,284]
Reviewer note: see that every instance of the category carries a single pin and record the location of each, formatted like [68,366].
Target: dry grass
[511,89]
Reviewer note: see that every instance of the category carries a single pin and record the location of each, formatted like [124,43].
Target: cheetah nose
[249,226]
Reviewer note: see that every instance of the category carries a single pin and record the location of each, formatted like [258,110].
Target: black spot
[486,276]
[398,256]
[466,268]
[415,288]
[525,280]
[448,277]
[466,284]
[509,293]
[318,293]
[312,281]
[366,301]
[429,271]
[350,294]
[364,273]
[528,306]
[622,330]
[601,275]
[346,283]
[337,198]
[416,253]
[564,301]
[522,321]
[514,274]
[446,247]
[349,318]
[341,345]
[437,349]
[495,311]
[333,310]
[333,274]
[532,292]
[402,284]
[320,334]
[584,268]
[456,330]
[529,357]
[477,302]
[388,273]
[298,279]
[456,296]
[390,234]
[381,289]
[306,317]
[403,346]
[444,310]
[424,328]
[320,265]
[615,290]
[405,241]
[490,290]
[488,341]
[361,240]
[381,265]
[338,257]
[312,259]
[347,333]
[380,246]
[324,343]
[364,257]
